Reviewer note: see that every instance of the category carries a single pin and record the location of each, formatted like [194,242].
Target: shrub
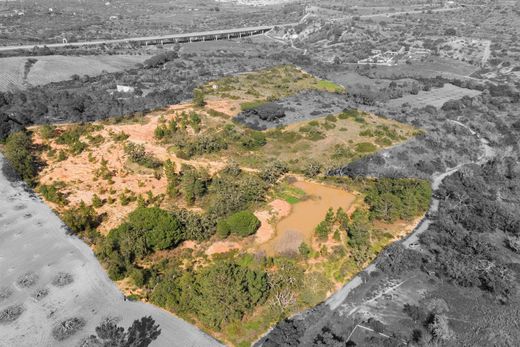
[253,140]
[243,223]
[160,228]
[365,147]
[48,132]
[251,105]
[137,154]
[97,202]
[331,118]
[52,193]
[67,328]
[305,250]
[198,98]
[81,218]
[17,150]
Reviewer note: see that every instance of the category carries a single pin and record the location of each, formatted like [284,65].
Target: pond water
[305,215]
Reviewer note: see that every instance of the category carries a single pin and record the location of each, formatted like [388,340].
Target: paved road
[33,239]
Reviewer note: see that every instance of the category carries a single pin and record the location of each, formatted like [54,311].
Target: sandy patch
[277,209]
[229,107]
[222,247]
[79,172]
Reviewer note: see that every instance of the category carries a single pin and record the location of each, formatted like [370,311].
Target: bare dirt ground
[222,247]
[277,209]
[78,172]
[34,249]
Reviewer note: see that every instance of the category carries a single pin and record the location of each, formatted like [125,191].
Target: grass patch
[290,193]
[330,86]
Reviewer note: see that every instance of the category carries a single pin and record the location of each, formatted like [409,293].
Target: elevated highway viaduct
[225,34]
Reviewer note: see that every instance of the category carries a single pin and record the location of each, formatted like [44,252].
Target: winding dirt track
[33,239]
[412,241]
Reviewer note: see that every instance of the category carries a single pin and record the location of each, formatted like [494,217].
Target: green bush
[17,151]
[160,228]
[243,223]
[331,118]
[137,154]
[305,250]
[198,98]
[365,147]
[81,218]
[251,105]
[52,192]
[253,140]
[71,137]
[48,132]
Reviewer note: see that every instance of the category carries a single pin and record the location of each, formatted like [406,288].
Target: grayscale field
[34,251]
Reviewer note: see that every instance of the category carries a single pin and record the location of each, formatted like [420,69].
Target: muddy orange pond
[305,215]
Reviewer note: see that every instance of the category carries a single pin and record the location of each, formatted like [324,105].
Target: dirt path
[412,241]
[33,241]
[487,52]
[488,152]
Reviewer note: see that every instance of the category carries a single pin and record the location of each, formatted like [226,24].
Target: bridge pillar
[228,36]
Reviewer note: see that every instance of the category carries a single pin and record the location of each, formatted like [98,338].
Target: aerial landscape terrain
[259,173]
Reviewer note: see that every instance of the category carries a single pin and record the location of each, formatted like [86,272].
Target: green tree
[17,150]
[305,250]
[198,98]
[161,228]
[342,219]
[81,218]
[325,227]
[273,171]
[194,183]
[97,202]
[359,236]
[172,178]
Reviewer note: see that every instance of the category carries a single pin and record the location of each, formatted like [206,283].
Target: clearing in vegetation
[230,228]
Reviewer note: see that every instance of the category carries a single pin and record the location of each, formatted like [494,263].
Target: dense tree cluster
[141,333]
[146,230]
[391,199]
[217,294]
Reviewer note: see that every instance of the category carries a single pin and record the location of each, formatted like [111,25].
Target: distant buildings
[125,89]
[390,58]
